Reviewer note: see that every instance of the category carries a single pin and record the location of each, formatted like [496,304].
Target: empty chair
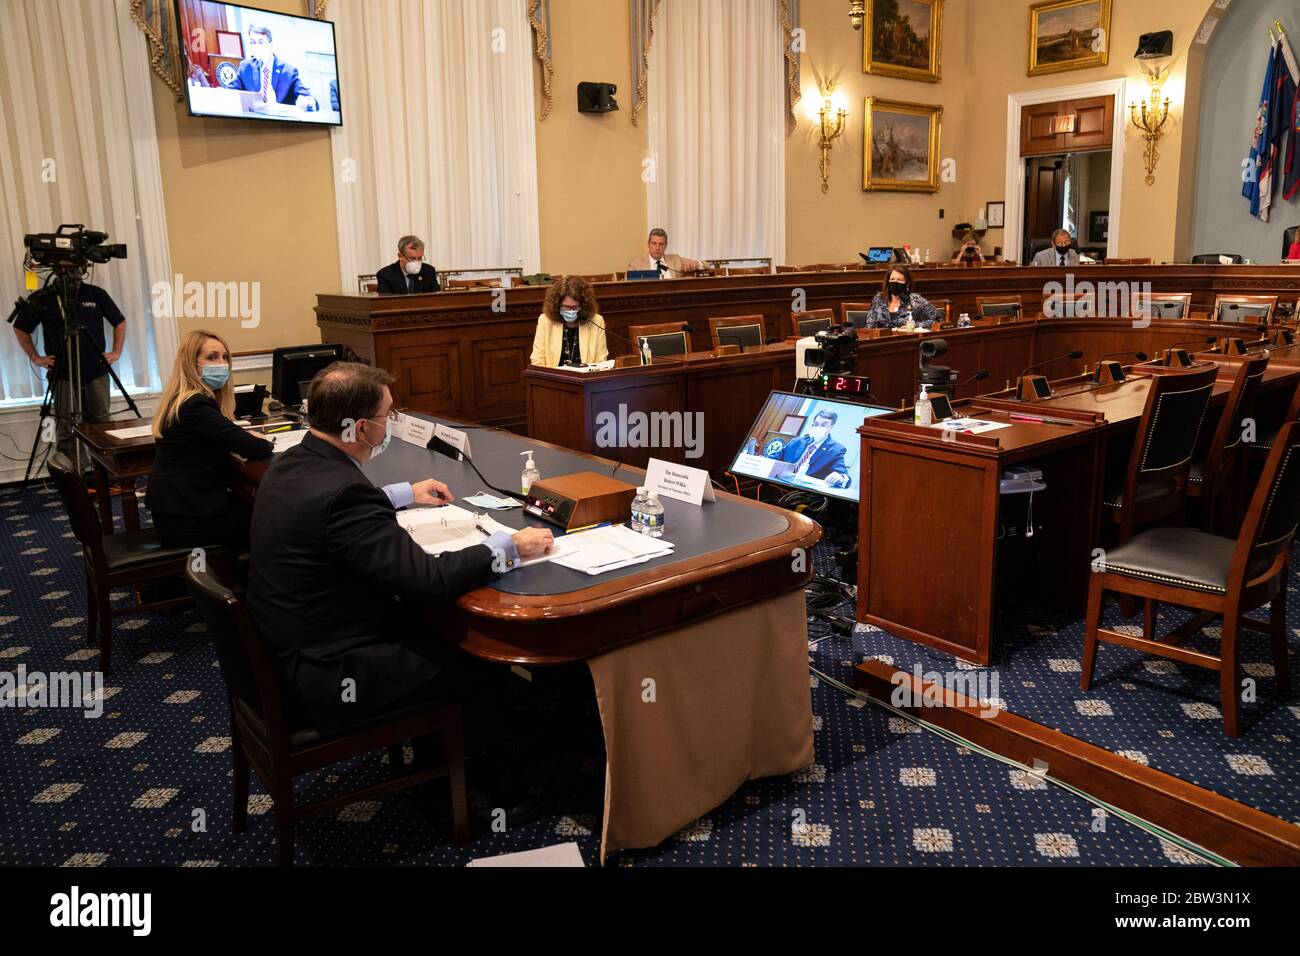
[743,330]
[1153,486]
[1214,258]
[1072,306]
[118,560]
[1262,441]
[1251,309]
[368,284]
[666,340]
[1220,474]
[1208,573]
[263,737]
[1006,306]
[1164,305]
[856,314]
[810,323]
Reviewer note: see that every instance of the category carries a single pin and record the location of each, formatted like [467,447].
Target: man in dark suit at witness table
[331,565]
[410,274]
[818,455]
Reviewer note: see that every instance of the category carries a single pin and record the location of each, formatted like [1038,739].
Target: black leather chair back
[1212,259]
[1253,371]
[1274,512]
[76,501]
[746,335]
[668,344]
[1243,312]
[1168,309]
[859,319]
[1172,422]
[999,309]
[246,666]
[813,326]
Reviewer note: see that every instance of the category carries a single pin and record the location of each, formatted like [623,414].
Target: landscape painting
[901,151]
[902,38]
[1068,35]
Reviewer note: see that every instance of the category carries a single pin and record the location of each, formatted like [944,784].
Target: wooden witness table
[718,629]
[117,460]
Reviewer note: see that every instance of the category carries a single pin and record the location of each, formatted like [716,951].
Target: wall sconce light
[832,116]
[1150,117]
[857,13]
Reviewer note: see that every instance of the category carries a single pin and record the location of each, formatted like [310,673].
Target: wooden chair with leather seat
[1208,573]
[854,313]
[1219,474]
[368,284]
[118,560]
[1262,442]
[1073,306]
[1212,258]
[804,324]
[1251,309]
[743,330]
[747,271]
[261,736]
[667,339]
[1154,485]
[1000,306]
[1163,305]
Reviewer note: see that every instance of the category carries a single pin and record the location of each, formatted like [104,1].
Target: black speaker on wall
[597,98]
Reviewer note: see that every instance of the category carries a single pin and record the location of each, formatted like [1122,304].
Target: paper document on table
[283,441]
[974,426]
[609,549]
[449,528]
[126,434]
[598,367]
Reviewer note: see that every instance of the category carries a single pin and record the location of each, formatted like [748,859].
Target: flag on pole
[1251,188]
[1281,110]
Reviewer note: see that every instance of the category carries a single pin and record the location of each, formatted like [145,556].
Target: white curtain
[78,145]
[717,128]
[438,134]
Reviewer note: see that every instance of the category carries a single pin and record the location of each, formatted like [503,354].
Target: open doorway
[1068,191]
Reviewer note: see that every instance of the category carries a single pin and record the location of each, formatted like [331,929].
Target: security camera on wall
[597,98]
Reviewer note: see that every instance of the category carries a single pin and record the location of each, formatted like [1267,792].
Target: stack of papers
[598,367]
[283,441]
[450,528]
[970,426]
[127,434]
[609,549]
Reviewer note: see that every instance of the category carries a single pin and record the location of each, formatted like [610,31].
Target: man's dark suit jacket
[329,562]
[191,473]
[286,84]
[392,280]
[826,459]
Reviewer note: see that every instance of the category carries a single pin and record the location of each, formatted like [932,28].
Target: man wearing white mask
[657,258]
[410,274]
[336,586]
[570,330]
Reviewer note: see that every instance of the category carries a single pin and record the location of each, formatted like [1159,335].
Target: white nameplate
[416,431]
[456,439]
[679,482]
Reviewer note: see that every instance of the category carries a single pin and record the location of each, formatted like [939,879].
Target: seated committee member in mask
[1062,252]
[817,454]
[189,493]
[410,273]
[893,304]
[570,330]
[337,588]
[268,77]
[969,250]
[658,258]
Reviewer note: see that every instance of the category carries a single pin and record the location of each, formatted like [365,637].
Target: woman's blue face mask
[215,377]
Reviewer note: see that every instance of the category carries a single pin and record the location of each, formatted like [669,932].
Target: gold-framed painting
[901,146]
[1068,35]
[903,38]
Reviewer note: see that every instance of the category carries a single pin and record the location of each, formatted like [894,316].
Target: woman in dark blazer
[189,493]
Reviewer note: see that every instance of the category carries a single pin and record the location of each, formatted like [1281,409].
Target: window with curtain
[716,107]
[78,145]
[439,136]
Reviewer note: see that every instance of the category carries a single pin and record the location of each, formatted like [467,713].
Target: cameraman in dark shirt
[93,306]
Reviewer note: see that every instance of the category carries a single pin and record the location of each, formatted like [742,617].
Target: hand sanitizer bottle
[531,474]
[924,410]
[647,357]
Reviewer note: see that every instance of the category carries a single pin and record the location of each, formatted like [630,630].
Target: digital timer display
[845,384]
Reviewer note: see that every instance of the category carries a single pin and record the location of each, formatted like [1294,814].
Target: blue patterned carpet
[148,783]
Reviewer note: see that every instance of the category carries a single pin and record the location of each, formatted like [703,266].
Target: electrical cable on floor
[1146,826]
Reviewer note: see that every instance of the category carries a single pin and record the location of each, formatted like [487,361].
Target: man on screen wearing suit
[410,273]
[1062,252]
[270,78]
[657,258]
[817,454]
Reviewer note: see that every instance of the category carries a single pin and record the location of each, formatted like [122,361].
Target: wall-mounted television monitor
[244,63]
[806,443]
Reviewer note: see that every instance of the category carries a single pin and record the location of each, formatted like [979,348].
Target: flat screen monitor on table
[806,443]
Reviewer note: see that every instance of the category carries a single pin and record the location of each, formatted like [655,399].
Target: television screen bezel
[253,118]
[880,410]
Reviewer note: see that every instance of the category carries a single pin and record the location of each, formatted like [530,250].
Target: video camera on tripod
[72,244]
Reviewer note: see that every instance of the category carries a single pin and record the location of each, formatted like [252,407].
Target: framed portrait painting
[901,148]
[1068,35]
[902,38]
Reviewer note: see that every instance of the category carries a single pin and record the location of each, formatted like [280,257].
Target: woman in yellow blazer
[570,330]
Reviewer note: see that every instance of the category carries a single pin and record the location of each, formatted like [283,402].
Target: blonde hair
[186,382]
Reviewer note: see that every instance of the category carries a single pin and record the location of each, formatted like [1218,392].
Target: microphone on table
[448,450]
[1037,383]
[979,376]
[1108,373]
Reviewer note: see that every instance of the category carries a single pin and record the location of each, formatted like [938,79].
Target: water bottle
[653,517]
[638,511]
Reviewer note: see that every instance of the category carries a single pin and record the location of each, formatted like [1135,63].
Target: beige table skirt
[691,714]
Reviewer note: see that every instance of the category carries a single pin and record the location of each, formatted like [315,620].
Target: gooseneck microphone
[1076,354]
[979,376]
[448,450]
[1140,356]
[1180,345]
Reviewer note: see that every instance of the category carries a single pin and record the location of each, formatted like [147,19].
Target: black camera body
[835,351]
[73,244]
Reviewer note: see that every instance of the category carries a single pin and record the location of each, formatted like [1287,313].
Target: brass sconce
[1151,122]
[857,13]
[832,116]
